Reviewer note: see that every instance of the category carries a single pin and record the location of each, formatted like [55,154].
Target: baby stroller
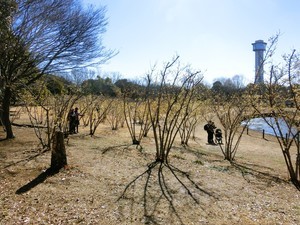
[218,136]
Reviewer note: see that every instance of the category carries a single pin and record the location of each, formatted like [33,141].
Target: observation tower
[259,47]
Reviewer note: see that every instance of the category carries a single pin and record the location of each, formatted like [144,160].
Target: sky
[214,36]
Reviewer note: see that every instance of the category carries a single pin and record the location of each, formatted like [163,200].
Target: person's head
[76,109]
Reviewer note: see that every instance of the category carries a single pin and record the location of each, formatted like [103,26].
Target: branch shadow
[123,146]
[245,169]
[111,148]
[27,159]
[38,180]
[166,191]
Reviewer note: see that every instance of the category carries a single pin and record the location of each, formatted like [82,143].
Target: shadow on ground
[38,180]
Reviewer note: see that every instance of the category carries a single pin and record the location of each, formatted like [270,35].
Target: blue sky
[213,36]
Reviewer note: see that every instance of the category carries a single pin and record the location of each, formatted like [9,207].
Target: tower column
[259,47]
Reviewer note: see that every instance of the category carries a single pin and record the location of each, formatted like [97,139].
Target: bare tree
[136,112]
[97,111]
[114,115]
[187,130]
[137,119]
[238,81]
[169,97]
[231,111]
[169,106]
[40,37]
[114,76]
[86,105]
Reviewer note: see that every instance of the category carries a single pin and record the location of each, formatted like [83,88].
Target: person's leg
[76,126]
[208,137]
[211,138]
[70,127]
[73,127]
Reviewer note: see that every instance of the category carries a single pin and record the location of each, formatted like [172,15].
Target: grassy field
[200,188]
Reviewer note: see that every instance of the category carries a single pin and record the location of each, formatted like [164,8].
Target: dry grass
[252,191]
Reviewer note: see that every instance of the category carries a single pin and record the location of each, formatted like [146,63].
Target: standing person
[71,119]
[209,127]
[77,114]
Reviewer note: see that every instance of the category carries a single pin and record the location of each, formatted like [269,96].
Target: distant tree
[114,115]
[238,81]
[97,110]
[217,86]
[43,37]
[228,86]
[78,75]
[57,85]
[125,85]
[100,86]
[114,76]
[132,89]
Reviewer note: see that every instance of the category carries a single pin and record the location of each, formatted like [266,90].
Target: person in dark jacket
[71,119]
[77,115]
[210,127]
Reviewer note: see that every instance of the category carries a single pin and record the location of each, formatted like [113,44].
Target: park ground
[205,188]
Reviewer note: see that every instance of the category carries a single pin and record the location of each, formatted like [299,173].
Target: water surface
[259,124]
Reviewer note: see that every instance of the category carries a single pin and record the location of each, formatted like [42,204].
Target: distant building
[259,47]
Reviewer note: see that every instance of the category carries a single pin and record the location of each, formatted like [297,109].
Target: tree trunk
[5,113]
[58,156]
[291,170]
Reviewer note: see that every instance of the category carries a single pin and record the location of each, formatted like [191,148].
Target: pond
[259,124]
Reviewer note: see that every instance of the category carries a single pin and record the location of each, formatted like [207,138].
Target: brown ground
[254,191]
